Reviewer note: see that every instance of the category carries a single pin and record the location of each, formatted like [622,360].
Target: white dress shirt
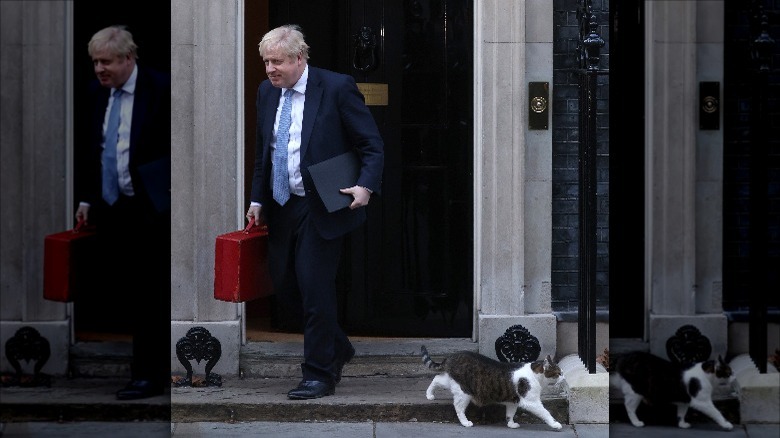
[123,144]
[294,144]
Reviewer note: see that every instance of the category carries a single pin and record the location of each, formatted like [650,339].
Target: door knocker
[365,50]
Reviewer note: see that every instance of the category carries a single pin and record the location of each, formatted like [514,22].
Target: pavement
[370,429]
[381,396]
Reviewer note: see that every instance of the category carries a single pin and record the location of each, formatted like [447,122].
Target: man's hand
[254,213]
[82,213]
[361,195]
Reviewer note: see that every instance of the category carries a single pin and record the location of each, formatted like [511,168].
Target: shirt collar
[129,85]
[300,86]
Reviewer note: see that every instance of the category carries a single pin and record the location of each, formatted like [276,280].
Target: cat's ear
[549,360]
[720,360]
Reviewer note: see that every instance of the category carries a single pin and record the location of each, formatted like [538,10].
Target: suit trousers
[303,269]
[136,253]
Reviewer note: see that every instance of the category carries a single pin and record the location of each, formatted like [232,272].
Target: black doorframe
[370,284]
[95,312]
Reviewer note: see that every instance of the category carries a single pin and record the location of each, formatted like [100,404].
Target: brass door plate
[539,105]
[709,106]
[375,94]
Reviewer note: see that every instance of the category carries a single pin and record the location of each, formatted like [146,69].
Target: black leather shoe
[344,359]
[309,389]
[139,389]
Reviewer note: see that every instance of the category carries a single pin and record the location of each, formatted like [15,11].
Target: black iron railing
[761,51]
[588,50]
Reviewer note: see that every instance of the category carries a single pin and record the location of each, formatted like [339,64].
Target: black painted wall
[739,78]
[620,172]
[565,174]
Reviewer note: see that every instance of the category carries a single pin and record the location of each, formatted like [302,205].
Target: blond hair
[287,38]
[115,40]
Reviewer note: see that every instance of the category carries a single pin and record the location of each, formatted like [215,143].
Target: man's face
[283,71]
[112,71]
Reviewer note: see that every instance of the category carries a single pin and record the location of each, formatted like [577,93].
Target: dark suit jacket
[335,120]
[150,136]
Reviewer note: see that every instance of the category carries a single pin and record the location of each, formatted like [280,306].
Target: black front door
[408,271]
[95,313]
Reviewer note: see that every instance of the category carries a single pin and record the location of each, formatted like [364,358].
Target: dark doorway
[626,168]
[96,314]
[408,271]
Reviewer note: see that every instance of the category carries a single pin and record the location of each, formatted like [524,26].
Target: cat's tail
[426,358]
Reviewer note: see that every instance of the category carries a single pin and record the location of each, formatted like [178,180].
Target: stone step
[100,359]
[724,399]
[357,399]
[373,356]
[667,415]
[399,357]
[385,381]
[79,399]
[375,398]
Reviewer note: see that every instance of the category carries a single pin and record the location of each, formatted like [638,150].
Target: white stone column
[35,157]
[207,174]
[513,172]
[709,164]
[683,173]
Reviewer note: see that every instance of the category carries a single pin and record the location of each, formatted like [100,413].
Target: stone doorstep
[759,394]
[356,399]
[79,399]
[726,402]
[373,357]
[667,415]
[270,369]
[100,359]
[588,397]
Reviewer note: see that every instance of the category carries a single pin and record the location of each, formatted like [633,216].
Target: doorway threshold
[261,335]
[386,356]
[292,344]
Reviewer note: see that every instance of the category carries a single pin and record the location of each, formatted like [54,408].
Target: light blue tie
[110,176]
[281,181]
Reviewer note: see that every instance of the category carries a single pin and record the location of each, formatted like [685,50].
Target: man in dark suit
[123,184]
[322,114]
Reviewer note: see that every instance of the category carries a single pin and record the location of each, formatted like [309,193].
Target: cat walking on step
[642,376]
[472,377]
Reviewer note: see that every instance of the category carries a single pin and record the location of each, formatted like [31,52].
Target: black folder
[156,176]
[333,174]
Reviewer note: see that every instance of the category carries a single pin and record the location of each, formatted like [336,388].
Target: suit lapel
[271,103]
[313,99]
[140,103]
[100,116]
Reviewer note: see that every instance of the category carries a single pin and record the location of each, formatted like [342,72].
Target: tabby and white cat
[642,376]
[472,377]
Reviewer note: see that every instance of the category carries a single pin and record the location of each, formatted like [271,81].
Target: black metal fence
[761,53]
[588,49]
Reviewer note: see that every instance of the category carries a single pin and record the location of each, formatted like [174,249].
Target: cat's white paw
[727,426]
[638,423]
[467,423]
[683,425]
[556,425]
[429,396]
[513,425]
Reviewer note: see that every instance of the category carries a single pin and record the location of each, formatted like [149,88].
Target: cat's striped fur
[642,376]
[472,377]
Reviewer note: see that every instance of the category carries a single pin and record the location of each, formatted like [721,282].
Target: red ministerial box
[241,265]
[68,257]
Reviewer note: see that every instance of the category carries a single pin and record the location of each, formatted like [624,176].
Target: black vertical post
[589,46]
[758,235]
